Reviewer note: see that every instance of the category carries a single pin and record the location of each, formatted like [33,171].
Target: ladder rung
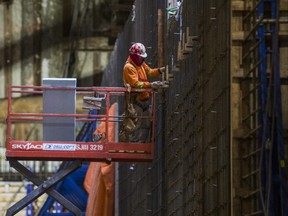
[252,193]
[251,154]
[250,114]
[254,28]
[280,20]
[251,49]
[252,90]
[253,68]
[251,132]
[252,10]
[250,174]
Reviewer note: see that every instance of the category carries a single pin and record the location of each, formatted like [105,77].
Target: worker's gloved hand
[128,87]
[162,70]
[156,84]
[165,84]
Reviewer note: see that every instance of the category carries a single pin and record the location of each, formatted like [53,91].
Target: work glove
[156,84]
[128,87]
[165,84]
[162,70]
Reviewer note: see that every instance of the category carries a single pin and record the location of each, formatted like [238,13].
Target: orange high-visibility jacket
[137,77]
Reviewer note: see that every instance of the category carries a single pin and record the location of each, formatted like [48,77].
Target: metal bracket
[44,187]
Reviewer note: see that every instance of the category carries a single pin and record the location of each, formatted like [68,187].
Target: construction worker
[135,74]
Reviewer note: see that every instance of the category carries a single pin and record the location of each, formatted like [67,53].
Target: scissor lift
[73,151]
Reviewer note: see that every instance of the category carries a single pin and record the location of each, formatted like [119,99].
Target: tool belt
[143,105]
[130,121]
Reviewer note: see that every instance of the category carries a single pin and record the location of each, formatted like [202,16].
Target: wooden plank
[237,36]
[181,53]
[283,5]
[236,61]
[240,35]
[235,154]
[283,35]
[237,5]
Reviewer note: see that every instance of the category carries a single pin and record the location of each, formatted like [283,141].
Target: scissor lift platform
[106,150]
[74,152]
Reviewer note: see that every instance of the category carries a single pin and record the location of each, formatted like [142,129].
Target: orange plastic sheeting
[99,180]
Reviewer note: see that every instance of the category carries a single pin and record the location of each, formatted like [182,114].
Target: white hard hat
[138,49]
